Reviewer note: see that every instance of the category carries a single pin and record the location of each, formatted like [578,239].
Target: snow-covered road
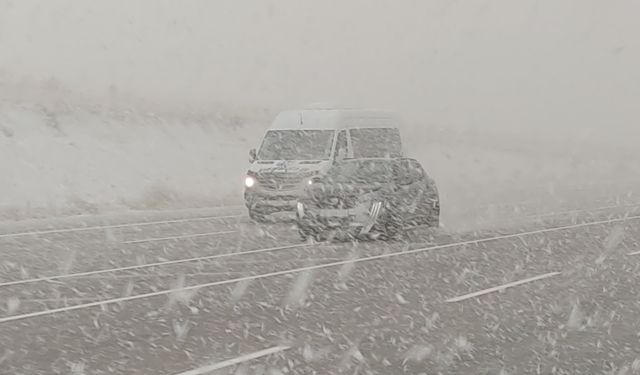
[116,302]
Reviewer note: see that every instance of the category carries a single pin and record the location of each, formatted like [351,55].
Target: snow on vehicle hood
[289,166]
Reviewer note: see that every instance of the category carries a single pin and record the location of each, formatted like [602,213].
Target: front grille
[281,181]
[344,202]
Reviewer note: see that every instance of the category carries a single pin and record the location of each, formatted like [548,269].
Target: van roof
[334,118]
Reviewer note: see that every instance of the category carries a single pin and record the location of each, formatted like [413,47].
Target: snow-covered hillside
[65,160]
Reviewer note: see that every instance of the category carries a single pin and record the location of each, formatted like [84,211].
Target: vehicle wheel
[393,228]
[431,215]
[433,221]
[257,216]
[306,233]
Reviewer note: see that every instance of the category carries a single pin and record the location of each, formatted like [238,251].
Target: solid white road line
[154,275]
[304,269]
[149,265]
[502,287]
[113,226]
[145,240]
[235,361]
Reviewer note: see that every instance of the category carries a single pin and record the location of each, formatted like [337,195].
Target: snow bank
[67,160]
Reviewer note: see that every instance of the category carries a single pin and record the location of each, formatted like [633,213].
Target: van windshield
[296,145]
[376,143]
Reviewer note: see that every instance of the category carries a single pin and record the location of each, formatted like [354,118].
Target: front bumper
[267,202]
[359,220]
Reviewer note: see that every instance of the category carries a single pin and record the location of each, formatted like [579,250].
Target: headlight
[249,181]
[333,201]
[310,182]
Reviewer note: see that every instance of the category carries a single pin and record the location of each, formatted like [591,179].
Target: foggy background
[532,78]
[557,65]
[125,127]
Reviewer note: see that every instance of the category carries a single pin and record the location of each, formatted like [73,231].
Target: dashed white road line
[235,361]
[502,287]
[113,226]
[304,269]
[149,265]
[209,234]
[634,253]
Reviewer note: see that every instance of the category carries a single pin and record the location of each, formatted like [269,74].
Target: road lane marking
[235,361]
[578,211]
[209,234]
[149,265]
[502,287]
[113,226]
[304,269]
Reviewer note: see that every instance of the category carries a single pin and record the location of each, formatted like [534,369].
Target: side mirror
[252,155]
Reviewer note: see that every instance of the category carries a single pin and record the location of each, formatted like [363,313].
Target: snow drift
[66,160]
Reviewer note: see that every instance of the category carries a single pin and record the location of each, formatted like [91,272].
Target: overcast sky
[504,63]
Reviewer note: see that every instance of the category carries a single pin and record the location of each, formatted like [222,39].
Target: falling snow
[462,198]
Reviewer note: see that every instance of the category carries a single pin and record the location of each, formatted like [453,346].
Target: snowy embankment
[487,179]
[63,160]
[66,160]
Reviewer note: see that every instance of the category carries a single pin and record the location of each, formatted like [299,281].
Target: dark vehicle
[368,198]
[301,144]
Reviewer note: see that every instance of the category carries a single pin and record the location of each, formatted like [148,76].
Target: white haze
[125,127]
[495,92]
[544,66]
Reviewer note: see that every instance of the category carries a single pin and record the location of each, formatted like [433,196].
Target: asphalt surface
[390,313]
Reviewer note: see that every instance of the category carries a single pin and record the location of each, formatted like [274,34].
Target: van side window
[376,142]
[341,145]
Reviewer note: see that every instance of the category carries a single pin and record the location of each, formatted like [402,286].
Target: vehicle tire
[431,215]
[309,230]
[305,233]
[393,227]
[433,221]
[257,216]
[393,233]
